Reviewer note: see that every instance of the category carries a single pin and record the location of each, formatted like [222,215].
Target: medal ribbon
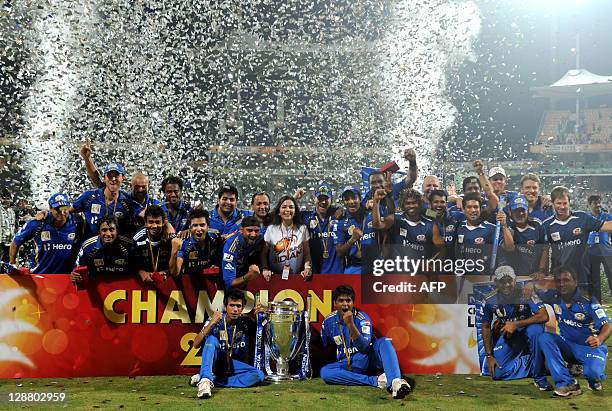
[154,260]
[346,351]
[324,240]
[231,347]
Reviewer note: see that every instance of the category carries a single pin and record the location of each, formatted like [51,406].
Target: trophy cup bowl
[282,337]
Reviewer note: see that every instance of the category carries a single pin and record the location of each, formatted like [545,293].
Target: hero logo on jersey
[577,231]
[420,237]
[45,236]
[479,240]
[579,316]
[555,236]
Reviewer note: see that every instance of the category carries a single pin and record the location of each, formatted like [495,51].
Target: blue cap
[324,190]
[352,189]
[114,167]
[59,200]
[519,202]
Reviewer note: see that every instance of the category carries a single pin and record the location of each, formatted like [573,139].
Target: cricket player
[584,327]
[358,352]
[227,346]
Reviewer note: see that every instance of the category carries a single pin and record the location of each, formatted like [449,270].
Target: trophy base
[275,378]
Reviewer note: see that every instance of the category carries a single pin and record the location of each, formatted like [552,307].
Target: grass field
[444,392]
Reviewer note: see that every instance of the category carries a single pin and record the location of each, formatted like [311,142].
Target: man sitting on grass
[226,350]
[358,352]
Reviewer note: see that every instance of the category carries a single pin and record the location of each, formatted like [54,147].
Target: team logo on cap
[577,231]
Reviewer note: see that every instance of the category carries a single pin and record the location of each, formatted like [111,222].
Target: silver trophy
[282,337]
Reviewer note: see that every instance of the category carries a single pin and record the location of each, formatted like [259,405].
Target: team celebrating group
[107,231]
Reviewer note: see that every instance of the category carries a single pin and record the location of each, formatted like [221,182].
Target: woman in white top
[286,249]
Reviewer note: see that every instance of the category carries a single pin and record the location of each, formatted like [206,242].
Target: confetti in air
[266,95]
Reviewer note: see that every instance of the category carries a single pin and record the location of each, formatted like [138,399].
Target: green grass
[444,392]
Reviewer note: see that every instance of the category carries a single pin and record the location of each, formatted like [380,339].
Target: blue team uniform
[179,219]
[518,356]
[529,245]
[412,239]
[448,228]
[322,237]
[599,243]
[55,249]
[230,343]
[195,258]
[93,206]
[569,240]
[582,319]
[364,250]
[475,243]
[541,213]
[151,256]
[110,260]
[228,227]
[237,256]
[357,359]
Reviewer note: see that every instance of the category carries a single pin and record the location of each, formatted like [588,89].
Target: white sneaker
[194,380]
[204,388]
[400,388]
[382,381]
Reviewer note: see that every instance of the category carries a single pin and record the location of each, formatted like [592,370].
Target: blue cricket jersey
[93,206]
[237,256]
[228,227]
[365,248]
[196,258]
[475,243]
[335,331]
[599,243]
[569,240]
[412,239]
[583,318]
[323,233]
[55,248]
[151,256]
[529,243]
[113,259]
[541,213]
[180,218]
[516,308]
[235,337]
